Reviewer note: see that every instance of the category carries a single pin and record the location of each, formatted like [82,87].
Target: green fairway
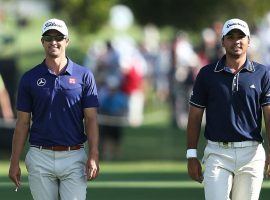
[129,181]
[152,166]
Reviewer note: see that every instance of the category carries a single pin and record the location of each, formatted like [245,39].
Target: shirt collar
[69,67]
[220,66]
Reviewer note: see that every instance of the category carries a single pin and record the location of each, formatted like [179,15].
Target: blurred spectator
[107,64]
[132,86]
[5,104]
[134,69]
[113,106]
[217,27]
[263,31]
[185,61]
[157,57]
[209,42]
[255,51]
[93,54]
[211,49]
[104,60]
[163,67]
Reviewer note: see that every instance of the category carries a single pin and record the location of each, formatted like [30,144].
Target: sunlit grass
[123,167]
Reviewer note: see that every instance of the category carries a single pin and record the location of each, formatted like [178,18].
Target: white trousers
[233,173]
[135,108]
[55,175]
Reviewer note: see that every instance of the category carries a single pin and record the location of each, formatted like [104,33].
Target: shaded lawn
[152,166]
[145,180]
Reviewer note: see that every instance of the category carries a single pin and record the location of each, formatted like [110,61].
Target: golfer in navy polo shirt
[60,98]
[234,92]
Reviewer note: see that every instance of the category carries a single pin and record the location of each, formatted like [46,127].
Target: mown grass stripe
[123,167]
[129,184]
[137,184]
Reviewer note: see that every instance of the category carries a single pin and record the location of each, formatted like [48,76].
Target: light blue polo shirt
[233,102]
[56,103]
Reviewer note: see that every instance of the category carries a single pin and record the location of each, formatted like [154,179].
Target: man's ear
[222,41]
[67,41]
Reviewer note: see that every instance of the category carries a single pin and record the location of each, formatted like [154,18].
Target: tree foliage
[86,15]
[90,15]
[195,14]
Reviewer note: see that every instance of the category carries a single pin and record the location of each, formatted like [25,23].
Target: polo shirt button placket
[234,83]
[57,83]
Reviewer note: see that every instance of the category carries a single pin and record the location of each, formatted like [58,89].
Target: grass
[152,166]
[123,180]
[144,180]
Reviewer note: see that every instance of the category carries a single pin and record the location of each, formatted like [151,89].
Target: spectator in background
[134,69]
[217,27]
[5,104]
[185,62]
[264,44]
[121,57]
[132,86]
[107,64]
[210,49]
[113,111]
[209,43]
[157,57]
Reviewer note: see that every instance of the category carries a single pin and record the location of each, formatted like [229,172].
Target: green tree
[86,15]
[90,15]
[195,14]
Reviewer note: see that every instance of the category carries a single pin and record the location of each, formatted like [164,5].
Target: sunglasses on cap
[49,38]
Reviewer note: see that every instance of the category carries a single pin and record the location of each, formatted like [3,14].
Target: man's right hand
[15,174]
[195,169]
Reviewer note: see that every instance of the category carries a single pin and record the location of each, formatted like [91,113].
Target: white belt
[234,144]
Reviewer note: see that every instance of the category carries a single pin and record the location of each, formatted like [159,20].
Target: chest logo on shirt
[72,80]
[41,82]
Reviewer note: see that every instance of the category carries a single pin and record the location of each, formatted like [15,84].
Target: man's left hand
[92,168]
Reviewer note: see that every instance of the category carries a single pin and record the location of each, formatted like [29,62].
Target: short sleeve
[90,96]
[198,96]
[265,98]
[24,99]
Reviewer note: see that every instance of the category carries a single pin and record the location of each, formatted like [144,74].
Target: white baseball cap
[55,24]
[235,24]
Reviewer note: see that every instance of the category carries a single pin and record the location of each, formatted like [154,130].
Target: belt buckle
[225,145]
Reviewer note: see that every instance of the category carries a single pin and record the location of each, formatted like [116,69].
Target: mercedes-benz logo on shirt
[41,82]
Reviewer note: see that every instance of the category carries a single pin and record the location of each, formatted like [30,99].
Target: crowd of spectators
[127,72]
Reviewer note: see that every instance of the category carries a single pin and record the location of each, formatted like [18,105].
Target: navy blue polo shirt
[56,103]
[233,102]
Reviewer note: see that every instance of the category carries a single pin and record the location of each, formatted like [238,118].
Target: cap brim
[55,28]
[235,28]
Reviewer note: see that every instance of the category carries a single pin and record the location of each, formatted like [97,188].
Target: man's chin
[53,55]
[237,54]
